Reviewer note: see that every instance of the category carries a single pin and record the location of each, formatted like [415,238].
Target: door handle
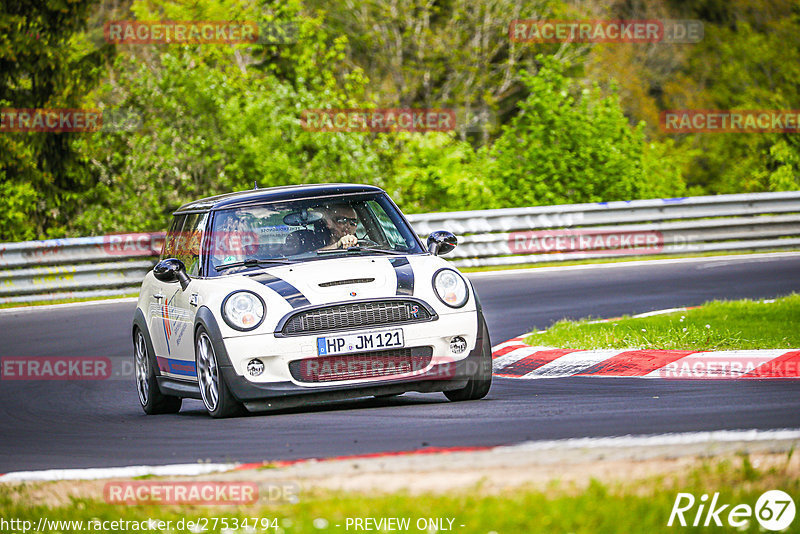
[158,296]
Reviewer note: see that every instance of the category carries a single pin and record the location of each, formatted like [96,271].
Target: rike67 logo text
[774,511]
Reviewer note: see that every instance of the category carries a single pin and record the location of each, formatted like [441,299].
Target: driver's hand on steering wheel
[347,241]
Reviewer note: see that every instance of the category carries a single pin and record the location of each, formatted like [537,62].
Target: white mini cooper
[279,297]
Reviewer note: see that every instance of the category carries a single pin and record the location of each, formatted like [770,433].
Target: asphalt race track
[69,424]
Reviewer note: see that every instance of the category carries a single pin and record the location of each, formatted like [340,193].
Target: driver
[342,221]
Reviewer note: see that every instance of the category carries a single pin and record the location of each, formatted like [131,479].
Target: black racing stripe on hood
[405,276]
[283,288]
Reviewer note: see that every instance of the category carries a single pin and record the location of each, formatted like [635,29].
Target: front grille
[355,315]
[360,366]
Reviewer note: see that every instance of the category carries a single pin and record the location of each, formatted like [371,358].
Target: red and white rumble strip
[516,359]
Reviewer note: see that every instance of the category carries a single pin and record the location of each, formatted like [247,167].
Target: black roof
[273,194]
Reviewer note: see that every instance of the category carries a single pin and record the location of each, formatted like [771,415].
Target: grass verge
[641,506]
[717,325]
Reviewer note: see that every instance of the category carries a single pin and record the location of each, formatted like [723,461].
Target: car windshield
[260,235]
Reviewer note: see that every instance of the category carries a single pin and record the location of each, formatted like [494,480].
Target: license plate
[383,339]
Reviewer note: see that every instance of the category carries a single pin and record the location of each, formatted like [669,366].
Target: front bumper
[277,388]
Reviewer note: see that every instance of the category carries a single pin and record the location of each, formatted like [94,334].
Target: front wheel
[217,398]
[481,380]
[150,397]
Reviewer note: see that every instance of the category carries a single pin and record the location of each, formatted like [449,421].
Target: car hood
[341,279]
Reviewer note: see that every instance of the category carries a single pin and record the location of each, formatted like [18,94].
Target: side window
[188,247]
[387,225]
[173,235]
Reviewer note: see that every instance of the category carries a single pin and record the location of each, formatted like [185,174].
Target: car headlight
[243,310]
[450,287]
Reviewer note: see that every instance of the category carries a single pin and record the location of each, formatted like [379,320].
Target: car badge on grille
[415,311]
[353,293]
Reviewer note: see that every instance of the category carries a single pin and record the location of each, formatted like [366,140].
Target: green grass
[718,325]
[642,506]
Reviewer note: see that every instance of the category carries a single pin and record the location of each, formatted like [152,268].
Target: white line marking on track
[657,312]
[638,263]
[115,472]
[685,438]
[66,305]
[652,440]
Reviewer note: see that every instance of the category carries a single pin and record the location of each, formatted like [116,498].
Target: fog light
[458,345]
[255,367]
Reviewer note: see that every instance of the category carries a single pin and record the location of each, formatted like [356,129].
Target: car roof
[273,194]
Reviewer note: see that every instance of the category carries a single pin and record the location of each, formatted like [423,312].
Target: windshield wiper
[252,262]
[359,248]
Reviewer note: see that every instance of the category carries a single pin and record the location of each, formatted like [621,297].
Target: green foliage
[217,117]
[740,67]
[785,164]
[570,144]
[453,54]
[436,172]
[17,202]
[43,64]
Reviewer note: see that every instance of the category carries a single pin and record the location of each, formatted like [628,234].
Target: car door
[182,305]
[158,307]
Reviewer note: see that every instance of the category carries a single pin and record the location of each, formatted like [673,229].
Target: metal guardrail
[115,264]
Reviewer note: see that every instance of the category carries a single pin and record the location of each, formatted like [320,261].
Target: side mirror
[441,242]
[172,270]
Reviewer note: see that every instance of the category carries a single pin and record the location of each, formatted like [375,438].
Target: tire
[150,397]
[217,398]
[479,383]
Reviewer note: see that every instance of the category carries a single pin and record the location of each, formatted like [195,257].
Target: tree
[454,54]
[570,144]
[217,118]
[43,64]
